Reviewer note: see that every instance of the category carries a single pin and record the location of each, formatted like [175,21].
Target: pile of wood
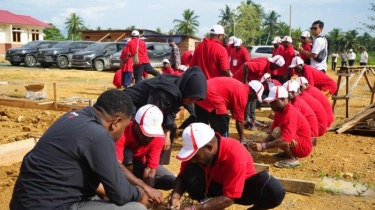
[362,122]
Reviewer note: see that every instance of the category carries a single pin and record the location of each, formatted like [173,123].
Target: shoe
[289,163]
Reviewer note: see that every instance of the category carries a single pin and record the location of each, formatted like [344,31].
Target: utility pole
[290,20]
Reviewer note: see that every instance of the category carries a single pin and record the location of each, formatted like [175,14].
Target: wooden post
[347,99]
[54,96]
[336,94]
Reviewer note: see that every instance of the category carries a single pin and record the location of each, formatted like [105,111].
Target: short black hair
[321,24]
[114,102]
[170,40]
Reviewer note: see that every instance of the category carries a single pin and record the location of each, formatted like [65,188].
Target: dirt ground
[345,156]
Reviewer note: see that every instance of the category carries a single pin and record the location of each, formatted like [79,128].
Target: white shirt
[364,57]
[334,57]
[318,45]
[351,56]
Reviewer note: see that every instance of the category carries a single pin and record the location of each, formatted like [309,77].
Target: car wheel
[46,65]
[14,63]
[99,65]
[62,62]
[30,61]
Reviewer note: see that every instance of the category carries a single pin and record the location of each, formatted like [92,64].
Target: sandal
[290,163]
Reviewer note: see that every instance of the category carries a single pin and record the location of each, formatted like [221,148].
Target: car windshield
[95,47]
[62,44]
[31,45]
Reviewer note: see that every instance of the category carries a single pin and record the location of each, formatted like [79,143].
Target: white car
[261,51]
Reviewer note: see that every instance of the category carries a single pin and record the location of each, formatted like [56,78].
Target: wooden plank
[360,112]
[340,97]
[357,80]
[15,151]
[346,126]
[297,186]
[261,167]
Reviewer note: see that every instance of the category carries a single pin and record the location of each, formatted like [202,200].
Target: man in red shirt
[230,45]
[219,171]
[268,83]
[211,56]
[239,55]
[306,45]
[167,69]
[314,77]
[318,95]
[225,93]
[288,54]
[181,69]
[140,146]
[126,67]
[186,57]
[290,130]
[277,47]
[137,47]
[293,89]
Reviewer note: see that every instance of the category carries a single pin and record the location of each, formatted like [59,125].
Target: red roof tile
[10,18]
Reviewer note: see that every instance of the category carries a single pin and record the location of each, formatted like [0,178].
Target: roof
[10,18]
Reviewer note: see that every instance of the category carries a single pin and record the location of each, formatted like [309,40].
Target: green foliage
[74,24]
[270,24]
[132,27]
[228,19]
[188,25]
[53,34]
[158,29]
[371,27]
[248,24]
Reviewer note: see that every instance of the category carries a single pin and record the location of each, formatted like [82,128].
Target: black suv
[96,56]
[61,53]
[27,53]
[156,51]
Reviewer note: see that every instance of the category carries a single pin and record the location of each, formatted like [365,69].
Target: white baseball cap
[217,29]
[194,137]
[265,76]
[287,39]
[135,33]
[237,42]
[277,59]
[302,80]
[351,50]
[291,85]
[305,34]
[258,87]
[182,67]
[296,61]
[276,40]
[275,93]
[166,61]
[150,118]
[231,39]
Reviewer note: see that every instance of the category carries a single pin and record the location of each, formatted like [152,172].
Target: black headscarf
[192,83]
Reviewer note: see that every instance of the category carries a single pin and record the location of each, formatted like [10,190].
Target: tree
[248,24]
[371,27]
[351,40]
[188,25]
[227,19]
[270,23]
[53,33]
[98,28]
[335,38]
[74,24]
[282,29]
[132,27]
[158,29]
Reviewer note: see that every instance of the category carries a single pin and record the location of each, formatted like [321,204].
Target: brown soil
[346,156]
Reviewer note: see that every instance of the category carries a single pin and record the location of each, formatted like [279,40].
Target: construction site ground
[342,156]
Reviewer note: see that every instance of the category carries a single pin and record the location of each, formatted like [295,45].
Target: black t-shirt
[67,164]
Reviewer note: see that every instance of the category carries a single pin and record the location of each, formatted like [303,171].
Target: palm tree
[158,29]
[227,19]
[351,40]
[73,24]
[270,23]
[335,38]
[188,25]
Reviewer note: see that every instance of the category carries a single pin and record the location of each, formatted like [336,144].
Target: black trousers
[164,179]
[351,62]
[218,122]
[143,67]
[333,66]
[261,190]
[165,156]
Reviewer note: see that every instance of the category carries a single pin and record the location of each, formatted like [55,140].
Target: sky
[150,14]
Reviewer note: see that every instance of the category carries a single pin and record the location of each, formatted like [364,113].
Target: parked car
[61,53]
[96,56]
[156,51]
[27,53]
[261,51]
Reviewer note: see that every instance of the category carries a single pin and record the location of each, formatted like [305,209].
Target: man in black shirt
[76,153]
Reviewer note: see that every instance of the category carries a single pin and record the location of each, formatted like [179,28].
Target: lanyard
[208,179]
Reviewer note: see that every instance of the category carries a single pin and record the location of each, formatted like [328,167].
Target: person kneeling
[219,172]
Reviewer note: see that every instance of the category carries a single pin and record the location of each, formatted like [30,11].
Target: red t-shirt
[257,67]
[225,93]
[319,111]
[318,79]
[128,65]
[278,50]
[318,95]
[149,154]
[186,57]
[169,70]
[272,83]
[288,55]
[308,113]
[233,166]
[306,47]
[142,50]
[294,126]
[178,72]
[211,57]
[237,58]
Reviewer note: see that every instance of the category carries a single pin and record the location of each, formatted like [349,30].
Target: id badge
[234,62]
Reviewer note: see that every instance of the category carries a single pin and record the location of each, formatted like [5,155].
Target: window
[267,50]
[16,36]
[111,48]
[34,36]
[159,48]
